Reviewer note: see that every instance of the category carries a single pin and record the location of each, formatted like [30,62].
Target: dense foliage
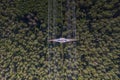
[24,46]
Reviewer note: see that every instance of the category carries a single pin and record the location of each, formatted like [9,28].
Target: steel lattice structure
[64,54]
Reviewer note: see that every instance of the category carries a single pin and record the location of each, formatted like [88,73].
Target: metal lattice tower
[61,58]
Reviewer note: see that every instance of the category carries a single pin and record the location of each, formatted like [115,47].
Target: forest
[26,54]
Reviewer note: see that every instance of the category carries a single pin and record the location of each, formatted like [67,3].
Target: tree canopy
[24,46]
